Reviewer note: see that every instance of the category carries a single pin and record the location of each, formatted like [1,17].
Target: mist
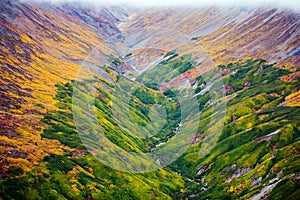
[287,4]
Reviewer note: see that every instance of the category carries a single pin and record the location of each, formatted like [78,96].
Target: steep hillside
[228,80]
[232,33]
[258,146]
[38,43]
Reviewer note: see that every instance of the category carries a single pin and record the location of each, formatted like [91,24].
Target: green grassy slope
[259,141]
[258,145]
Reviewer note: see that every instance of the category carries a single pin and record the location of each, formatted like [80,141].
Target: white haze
[286,4]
